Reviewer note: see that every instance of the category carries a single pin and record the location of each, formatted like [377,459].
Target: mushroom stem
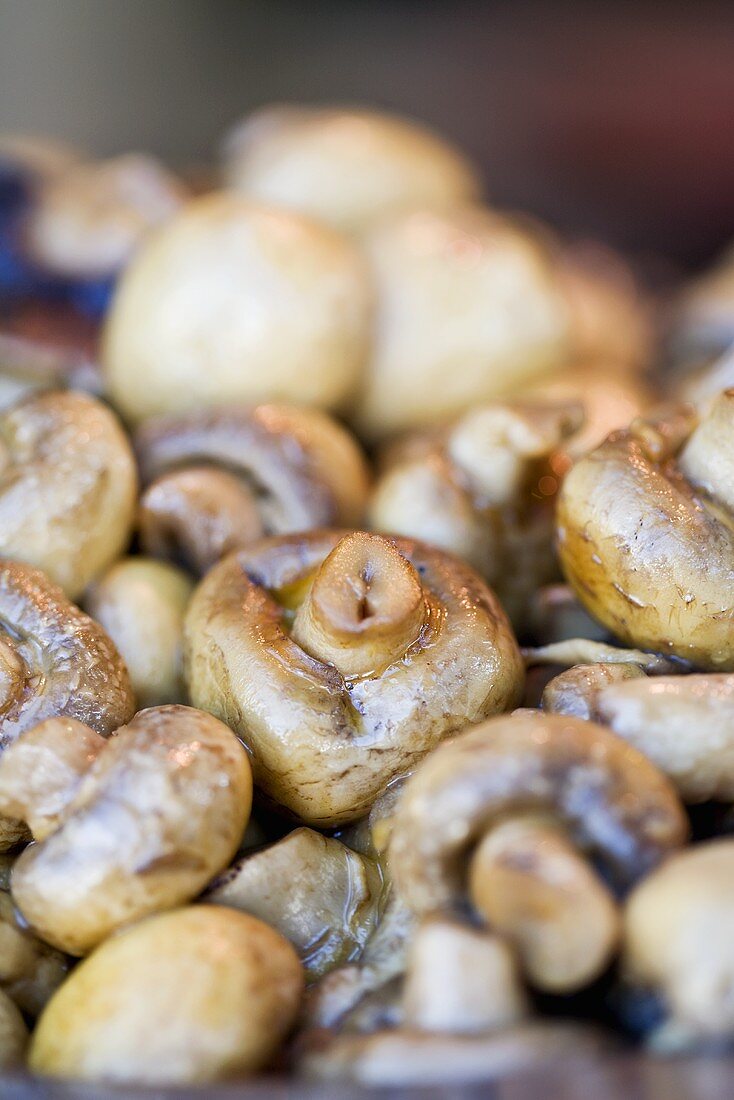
[531,885]
[365,608]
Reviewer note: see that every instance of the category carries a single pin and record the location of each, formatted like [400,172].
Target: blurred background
[608,119]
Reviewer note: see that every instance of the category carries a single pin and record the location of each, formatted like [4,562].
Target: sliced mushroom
[342,659]
[219,480]
[67,487]
[141,604]
[194,996]
[160,811]
[231,301]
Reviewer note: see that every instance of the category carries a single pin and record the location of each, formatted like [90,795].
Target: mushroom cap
[611,799]
[159,813]
[231,301]
[322,745]
[67,486]
[347,167]
[190,997]
[467,310]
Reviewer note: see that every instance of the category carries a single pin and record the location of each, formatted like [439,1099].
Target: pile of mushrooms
[280,791]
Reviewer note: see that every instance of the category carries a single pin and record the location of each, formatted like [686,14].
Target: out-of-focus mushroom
[637,516]
[483,488]
[555,615]
[349,168]
[231,301]
[141,604]
[218,480]
[702,386]
[67,487]
[341,659]
[588,792]
[160,811]
[468,309]
[577,690]
[27,366]
[30,970]
[677,938]
[54,660]
[586,651]
[39,158]
[702,319]
[190,997]
[313,889]
[13,1034]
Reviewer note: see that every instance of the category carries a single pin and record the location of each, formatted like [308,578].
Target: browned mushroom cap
[160,811]
[222,478]
[54,660]
[397,645]
[635,524]
[67,486]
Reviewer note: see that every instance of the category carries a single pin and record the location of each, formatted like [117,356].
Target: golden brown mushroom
[349,168]
[341,659]
[231,301]
[218,480]
[194,996]
[160,811]
[646,535]
[67,487]
[503,815]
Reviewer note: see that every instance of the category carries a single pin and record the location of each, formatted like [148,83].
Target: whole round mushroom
[233,301]
[342,658]
[346,167]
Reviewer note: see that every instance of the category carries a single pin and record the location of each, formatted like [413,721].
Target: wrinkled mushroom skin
[232,302]
[67,487]
[609,798]
[677,929]
[141,604]
[348,168]
[221,479]
[160,811]
[635,524]
[398,646]
[198,995]
[54,660]
[577,691]
[484,489]
[467,310]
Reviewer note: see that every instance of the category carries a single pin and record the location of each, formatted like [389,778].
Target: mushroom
[141,604]
[349,168]
[634,519]
[468,309]
[313,889]
[13,1034]
[678,942]
[484,488]
[701,387]
[36,156]
[218,480]
[505,815]
[198,995]
[231,301]
[341,659]
[588,651]
[86,222]
[160,811]
[27,366]
[578,690]
[702,318]
[30,970]
[67,487]
[54,660]
[555,615]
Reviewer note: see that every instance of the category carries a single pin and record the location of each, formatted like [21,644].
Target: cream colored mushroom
[13,1034]
[160,811]
[141,604]
[349,168]
[30,970]
[467,310]
[578,690]
[195,996]
[341,659]
[232,301]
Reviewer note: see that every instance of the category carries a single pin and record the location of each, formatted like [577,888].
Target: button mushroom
[578,690]
[67,487]
[160,811]
[572,788]
[348,168]
[635,517]
[190,997]
[219,480]
[342,659]
[30,970]
[141,604]
[483,488]
[231,301]
[13,1034]
[27,366]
